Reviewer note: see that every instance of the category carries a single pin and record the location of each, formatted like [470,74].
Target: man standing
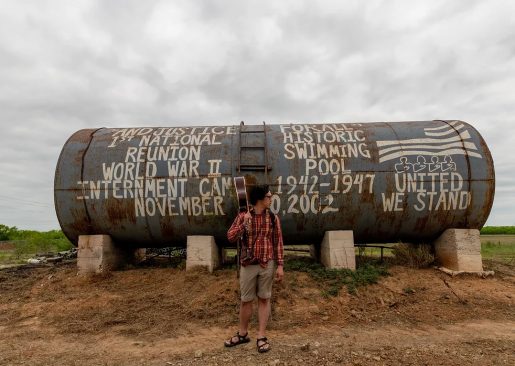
[261,230]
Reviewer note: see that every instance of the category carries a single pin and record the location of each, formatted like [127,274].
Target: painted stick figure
[403,166]
[435,164]
[448,164]
[420,164]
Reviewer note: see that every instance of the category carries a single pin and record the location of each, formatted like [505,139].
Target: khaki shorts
[256,280]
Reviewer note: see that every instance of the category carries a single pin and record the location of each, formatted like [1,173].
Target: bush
[6,232]
[498,230]
[413,255]
[24,248]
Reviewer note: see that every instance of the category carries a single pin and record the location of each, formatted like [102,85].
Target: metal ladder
[246,149]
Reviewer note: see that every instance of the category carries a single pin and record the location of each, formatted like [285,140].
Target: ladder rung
[254,169]
[259,167]
[252,131]
[251,166]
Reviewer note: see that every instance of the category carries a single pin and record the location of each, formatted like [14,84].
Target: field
[16,246]
[499,247]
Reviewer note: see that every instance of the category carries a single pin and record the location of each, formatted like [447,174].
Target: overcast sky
[68,65]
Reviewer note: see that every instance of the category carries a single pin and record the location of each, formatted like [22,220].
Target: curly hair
[257,193]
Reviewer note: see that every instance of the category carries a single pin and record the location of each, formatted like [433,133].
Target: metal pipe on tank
[394,181]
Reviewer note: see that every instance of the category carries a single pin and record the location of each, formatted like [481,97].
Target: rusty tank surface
[153,187]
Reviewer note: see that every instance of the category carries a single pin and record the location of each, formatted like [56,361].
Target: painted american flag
[450,139]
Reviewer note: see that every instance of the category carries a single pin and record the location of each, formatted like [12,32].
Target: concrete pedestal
[202,251]
[337,250]
[459,250]
[97,254]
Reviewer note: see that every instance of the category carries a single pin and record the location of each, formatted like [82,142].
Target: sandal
[241,339]
[263,347]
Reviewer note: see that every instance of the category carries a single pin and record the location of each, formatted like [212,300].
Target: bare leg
[245,314]
[264,313]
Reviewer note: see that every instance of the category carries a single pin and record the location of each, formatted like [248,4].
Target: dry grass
[413,255]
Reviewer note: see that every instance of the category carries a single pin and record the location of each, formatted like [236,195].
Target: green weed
[408,290]
[332,280]
[505,252]
[28,243]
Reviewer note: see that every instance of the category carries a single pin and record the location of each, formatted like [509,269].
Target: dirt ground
[166,316]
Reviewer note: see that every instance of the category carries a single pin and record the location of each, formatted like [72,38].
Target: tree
[6,232]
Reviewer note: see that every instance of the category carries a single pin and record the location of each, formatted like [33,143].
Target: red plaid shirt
[261,236]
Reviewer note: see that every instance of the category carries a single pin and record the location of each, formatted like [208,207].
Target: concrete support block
[97,254]
[459,250]
[337,250]
[202,251]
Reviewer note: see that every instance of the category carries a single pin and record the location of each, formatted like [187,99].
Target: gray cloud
[84,64]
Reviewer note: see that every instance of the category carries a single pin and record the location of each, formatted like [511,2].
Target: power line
[31,220]
[33,203]
[23,206]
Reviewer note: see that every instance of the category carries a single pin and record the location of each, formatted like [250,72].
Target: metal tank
[152,187]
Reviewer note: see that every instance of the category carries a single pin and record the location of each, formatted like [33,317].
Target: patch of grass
[40,244]
[25,249]
[28,243]
[413,255]
[374,252]
[13,257]
[408,290]
[332,280]
[504,252]
[9,257]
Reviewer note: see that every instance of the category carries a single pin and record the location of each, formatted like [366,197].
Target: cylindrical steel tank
[385,181]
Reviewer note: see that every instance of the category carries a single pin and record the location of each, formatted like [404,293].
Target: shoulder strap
[274,244]
[272,219]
